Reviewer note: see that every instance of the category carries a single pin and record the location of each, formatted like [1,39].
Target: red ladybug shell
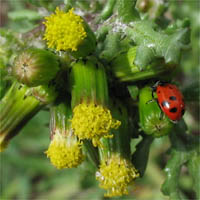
[170,101]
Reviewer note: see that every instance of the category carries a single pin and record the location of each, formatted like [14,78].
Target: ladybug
[170,100]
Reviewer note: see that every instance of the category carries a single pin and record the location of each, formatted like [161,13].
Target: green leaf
[141,155]
[170,186]
[194,169]
[183,148]
[156,44]
[113,45]
[126,10]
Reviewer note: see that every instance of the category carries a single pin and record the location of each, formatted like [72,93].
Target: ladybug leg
[156,85]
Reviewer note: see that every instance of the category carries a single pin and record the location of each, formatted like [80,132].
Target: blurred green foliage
[26,173]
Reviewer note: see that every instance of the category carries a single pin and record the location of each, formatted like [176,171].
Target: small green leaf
[141,155]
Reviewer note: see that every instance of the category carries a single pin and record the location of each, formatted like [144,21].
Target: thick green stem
[89,83]
[61,115]
[120,143]
[16,110]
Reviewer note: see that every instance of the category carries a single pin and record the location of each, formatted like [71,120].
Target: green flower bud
[35,67]
[152,120]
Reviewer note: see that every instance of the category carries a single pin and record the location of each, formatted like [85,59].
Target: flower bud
[152,120]
[35,67]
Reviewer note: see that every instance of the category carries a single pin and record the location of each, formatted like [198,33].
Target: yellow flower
[115,174]
[64,152]
[92,121]
[64,31]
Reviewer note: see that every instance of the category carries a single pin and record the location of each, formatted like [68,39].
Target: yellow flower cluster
[115,174]
[92,121]
[64,31]
[64,153]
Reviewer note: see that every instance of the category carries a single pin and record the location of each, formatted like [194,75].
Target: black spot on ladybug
[182,112]
[165,104]
[173,98]
[173,110]
[159,92]
[170,87]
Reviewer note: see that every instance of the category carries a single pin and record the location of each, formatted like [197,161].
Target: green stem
[120,143]
[108,9]
[104,152]
[88,83]
[16,110]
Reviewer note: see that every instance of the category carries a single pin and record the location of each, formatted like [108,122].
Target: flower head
[64,31]
[115,174]
[35,67]
[92,121]
[64,152]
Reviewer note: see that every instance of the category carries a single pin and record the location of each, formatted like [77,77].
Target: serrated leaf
[156,44]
